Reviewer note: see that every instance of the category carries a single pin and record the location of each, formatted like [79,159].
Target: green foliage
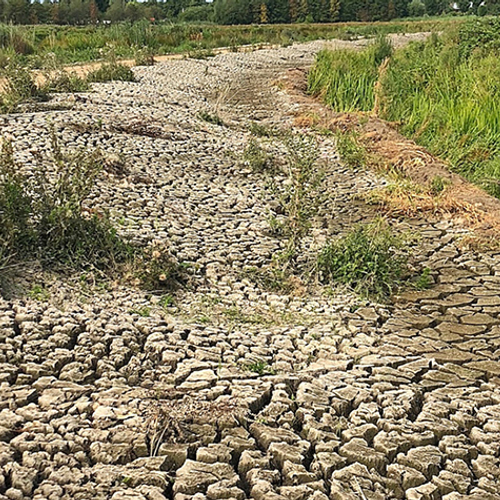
[416,8]
[143,312]
[298,196]
[259,130]
[260,368]
[144,56]
[370,259]
[352,154]
[62,81]
[213,118]
[258,159]
[424,281]
[345,79]
[444,92]
[85,43]
[43,216]
[111,71]
[448,100]
[155,269]
[20,88]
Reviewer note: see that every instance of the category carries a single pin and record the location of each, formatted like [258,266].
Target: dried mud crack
[234,392]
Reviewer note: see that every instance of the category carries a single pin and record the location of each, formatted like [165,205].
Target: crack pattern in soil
[235,392]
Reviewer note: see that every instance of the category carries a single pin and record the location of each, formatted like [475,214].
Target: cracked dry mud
[351,400]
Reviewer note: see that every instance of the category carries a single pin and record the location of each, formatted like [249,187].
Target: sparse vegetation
[370,259]
[257,158]
[299,196]
[442,93]
[260,368]
[351,152]
[111,71]
[213,118]
[20,87]
[44,217]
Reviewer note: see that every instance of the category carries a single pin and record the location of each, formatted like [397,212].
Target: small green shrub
[351,153]
[259,130]
[424,281]
[258,159]
[210,118]
[155,269]
[62,82]
[43,216]
[20,88]
[260,368]
[370,259]
[144,56]
[110,72]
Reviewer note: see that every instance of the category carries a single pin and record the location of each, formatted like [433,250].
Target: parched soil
[232,391]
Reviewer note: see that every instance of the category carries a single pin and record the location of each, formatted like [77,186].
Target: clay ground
[232,391]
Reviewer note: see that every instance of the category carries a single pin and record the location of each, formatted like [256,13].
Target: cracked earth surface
[352,400]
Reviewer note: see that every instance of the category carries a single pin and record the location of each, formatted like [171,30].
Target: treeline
[79,12]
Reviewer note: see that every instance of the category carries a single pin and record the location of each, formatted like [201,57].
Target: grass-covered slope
[443,93]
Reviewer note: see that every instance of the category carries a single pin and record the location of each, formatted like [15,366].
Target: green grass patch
[371,259]
[345,79]
[110,72]
[443,93]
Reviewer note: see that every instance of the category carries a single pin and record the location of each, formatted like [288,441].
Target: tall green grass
[450,104]
[345,78]
[444,93]
[73,44]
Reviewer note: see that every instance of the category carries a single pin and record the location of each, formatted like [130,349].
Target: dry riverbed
[233,392]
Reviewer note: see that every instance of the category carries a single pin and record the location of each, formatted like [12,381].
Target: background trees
[232,11]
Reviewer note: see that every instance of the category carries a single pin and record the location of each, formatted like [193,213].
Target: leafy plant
[111,71]
[261,368]
[20,88]
[370,259]
[210,118]
[258,159]
[352,154]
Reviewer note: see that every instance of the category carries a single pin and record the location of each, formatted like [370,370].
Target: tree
[263,14]
[416,8]
[18,11]
[334,10]
[293,9]
[93,12]
[303,11]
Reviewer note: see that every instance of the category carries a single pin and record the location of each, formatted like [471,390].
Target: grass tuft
[370,259]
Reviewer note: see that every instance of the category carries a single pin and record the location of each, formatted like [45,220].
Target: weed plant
[257,158]
[345,79]
[20,88]
[110,72]
[43,217]
[352,154]
[299,196]
[370,259]
[213,118]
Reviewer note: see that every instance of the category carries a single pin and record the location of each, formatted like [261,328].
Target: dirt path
[229,391]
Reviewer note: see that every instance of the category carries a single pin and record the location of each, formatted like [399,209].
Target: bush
[20,87]
[61,81]
[43,215]
[370,259]
[112,71]
[352,154]
[258,159]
